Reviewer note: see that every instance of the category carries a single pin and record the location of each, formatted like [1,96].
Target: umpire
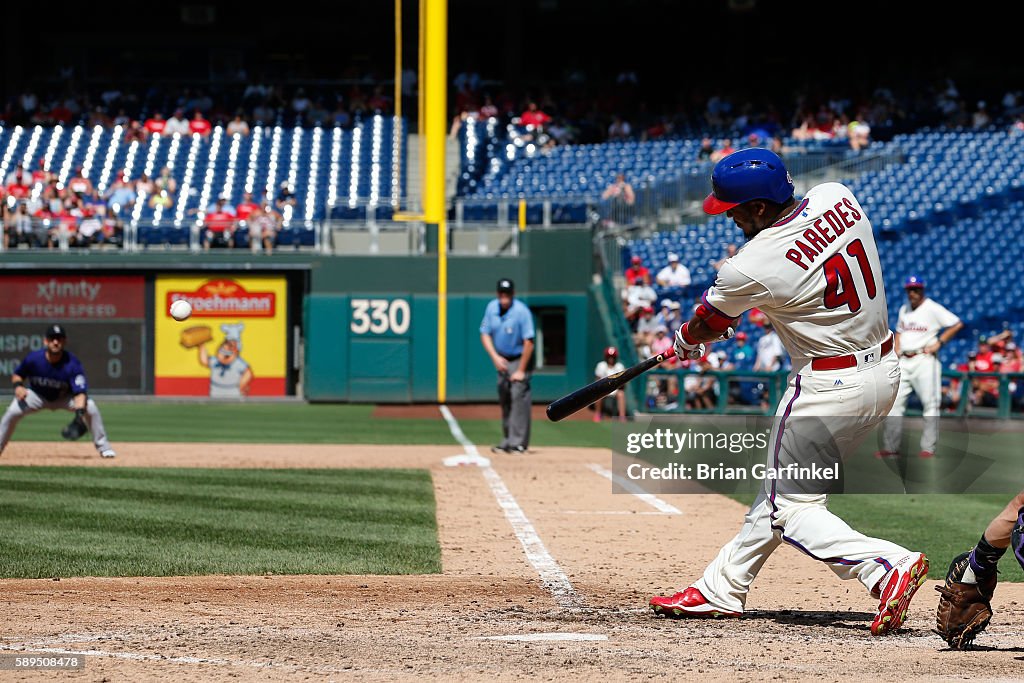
[506,333]
[53,378]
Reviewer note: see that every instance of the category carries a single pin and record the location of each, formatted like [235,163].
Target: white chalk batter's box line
[632,488]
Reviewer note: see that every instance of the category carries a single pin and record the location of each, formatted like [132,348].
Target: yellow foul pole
[436,119]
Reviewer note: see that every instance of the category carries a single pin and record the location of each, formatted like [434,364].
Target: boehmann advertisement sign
[233,346]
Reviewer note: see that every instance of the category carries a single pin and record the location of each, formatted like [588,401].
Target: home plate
[465,459]
[545,637]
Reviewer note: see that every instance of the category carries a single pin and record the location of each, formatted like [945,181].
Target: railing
[975,394]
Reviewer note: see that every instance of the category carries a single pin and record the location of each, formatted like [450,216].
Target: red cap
[611,351]
[741,335]
[636,259]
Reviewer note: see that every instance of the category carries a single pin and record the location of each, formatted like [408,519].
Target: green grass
[940,526]
[81,521]
[244,423]
[296,423]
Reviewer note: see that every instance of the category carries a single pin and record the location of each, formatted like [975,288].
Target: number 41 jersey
[815,274]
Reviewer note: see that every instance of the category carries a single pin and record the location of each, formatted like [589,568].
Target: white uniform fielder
[816,275]
[920,372]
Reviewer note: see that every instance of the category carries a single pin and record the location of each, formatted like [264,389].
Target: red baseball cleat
[884,455]
[690,603]
[926,454]
[898,588]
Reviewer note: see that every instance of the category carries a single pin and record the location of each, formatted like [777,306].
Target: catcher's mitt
[964,608]
[192,337]
[75,429]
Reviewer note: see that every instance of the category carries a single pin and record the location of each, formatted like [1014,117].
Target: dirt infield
[484,617]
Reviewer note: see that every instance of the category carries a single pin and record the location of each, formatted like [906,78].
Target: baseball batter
[811,266]
[52,378]
[924,327]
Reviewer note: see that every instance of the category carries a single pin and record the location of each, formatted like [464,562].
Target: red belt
[849,360]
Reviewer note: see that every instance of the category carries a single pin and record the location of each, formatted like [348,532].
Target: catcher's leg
[16,411]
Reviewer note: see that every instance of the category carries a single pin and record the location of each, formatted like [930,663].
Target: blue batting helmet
[914,282]
[754,173]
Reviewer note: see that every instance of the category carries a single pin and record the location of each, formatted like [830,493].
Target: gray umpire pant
[33,402]
[516,402]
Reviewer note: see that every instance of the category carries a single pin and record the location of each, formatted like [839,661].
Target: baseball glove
[964,608]
[75,429]
[191,337]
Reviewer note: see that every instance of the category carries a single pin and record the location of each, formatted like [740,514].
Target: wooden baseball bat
[581,398]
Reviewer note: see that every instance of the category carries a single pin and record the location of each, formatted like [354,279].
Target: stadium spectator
[646,326]
[674,274]
[18,227]
[619,129]
[144,186]
[285,197]
[90,230]
[238,126]
[620,191]
[263,224]
[1013,362]
[986,389]
[79,184]
[636,270]
[165,182]
[300,102]
[176,124]
[219,227]
[488,109]
[980,118]
[670,314]
[18,177]
[264,113]
[707,149]
[607,367]
[983,360]
[742,356]
[199,125]
[666,387]
[859,133]
[246,207]
[340,116]
[730,251]
[155,124]
[121,194]
[725,150]
[41,177]
[638,296]
[533,116]
[771,355]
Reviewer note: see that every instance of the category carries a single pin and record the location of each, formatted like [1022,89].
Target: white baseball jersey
[815,274]
[603,370]
[769,353]
[919,327]
[677,277]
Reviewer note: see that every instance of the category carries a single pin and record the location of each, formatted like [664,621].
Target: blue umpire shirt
[52,382]
[508,331]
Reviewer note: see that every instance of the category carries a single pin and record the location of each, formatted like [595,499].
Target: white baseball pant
[842,406]
[33,403]
[922,374]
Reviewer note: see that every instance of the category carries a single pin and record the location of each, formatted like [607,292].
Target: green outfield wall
[359,328]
